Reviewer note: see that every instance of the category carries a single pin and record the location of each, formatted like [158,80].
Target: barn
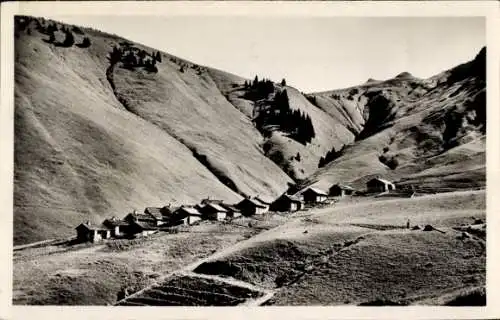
[250,207]
[379,185]
[340,190]
[88,232]
[117,226]
[155,213]
[143,228]
[232,211]
[314,195]
[213,211]
[185,215]
[287,203]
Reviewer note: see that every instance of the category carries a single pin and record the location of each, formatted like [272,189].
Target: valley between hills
[104,125]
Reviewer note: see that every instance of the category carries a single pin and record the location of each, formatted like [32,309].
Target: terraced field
[194,290]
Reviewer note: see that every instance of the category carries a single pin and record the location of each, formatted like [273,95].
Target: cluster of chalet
[153,218]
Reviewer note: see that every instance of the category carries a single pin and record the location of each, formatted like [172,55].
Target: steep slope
[87,147]
[428,133]
[296,158]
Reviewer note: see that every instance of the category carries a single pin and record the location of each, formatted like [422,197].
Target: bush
[77,30]
[69,40]
[85,43]
[393,163]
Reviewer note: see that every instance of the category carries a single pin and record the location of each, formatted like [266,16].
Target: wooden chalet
[287,203]
[314,195]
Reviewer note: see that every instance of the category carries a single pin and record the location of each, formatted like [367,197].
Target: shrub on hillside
[391,162]
[69,39]
[330,156]
[52,37]
[77,30]
[85,43]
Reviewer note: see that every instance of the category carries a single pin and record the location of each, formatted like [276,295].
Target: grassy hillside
[361,253]
[429,133]
[297,159]
[86,150]
[104,125]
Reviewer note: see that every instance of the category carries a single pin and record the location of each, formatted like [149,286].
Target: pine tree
[115,55]
[52,37]
[283,82]
[69,40]
[85,43]
[158,56]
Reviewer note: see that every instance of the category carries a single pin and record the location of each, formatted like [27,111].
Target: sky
[312,53]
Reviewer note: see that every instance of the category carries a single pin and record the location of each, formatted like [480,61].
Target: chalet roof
[189,210]
[91,227]
[262,201]
[208,200]
[140,216]
[291,198]
[85,225]
[316,191]
[229,207]
[216,207]
[154,211]
[168,210]
[381,180]
[115,222]
[342,186]
[146,225]
[253,202]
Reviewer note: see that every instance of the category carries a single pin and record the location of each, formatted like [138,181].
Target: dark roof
[91,227]
[316,191]
[84,225]
[190,210]
[253,202]
[262,201]
[115,222]
[216,207]
[229,207]
[342,187]
[290,198]
[146,225]
[206,201]
[381,180]
[154,211]
[168,210]
[140,216]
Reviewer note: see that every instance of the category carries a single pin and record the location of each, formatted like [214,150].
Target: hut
[340,190]
[185,215]
[213,211]
[143,228]
[249,207]
[287,203]
[156,214]
[232,211]
[117,226]
[134,216]
[379,185]
[88,232]
[314,195]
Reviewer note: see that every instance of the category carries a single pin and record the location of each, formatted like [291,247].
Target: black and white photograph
[249,160]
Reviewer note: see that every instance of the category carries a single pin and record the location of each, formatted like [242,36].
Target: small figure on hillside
[408,224]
